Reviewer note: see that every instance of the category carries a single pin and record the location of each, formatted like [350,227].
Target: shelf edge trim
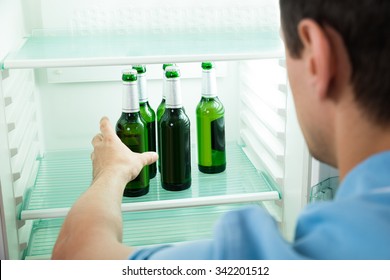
[162,204]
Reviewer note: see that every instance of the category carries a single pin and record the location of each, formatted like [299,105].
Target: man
[338,62]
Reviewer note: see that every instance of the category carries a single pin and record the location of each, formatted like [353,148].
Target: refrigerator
[61,64]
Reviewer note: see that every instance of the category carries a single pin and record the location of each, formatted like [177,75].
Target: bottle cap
[172,72]
[141,69]
[208,65]
[129,75]
[165,65]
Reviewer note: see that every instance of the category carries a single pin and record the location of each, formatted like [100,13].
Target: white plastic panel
[275,99]
[269,118]
[156,16]
[263,111]
[272,144]
[260,157]
[22,143]
[112,73]
[11,31]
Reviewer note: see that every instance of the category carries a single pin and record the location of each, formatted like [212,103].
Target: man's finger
[148,158]
[98,138]
[106,127]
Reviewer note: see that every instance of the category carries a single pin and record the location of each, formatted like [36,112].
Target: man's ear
[317,55]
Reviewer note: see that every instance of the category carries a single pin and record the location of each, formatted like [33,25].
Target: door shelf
[64,175]
[140,229]
[325,190]
[53,48]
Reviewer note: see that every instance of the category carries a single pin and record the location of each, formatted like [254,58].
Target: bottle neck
[164,94]
[209,83]
[130,103]
[173,93]
[142,88]
[131,116]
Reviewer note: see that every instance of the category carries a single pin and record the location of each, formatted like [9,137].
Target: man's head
[335,47]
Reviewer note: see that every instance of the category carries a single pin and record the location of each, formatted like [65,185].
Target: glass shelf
[47,48]
[139,229]
[63,176]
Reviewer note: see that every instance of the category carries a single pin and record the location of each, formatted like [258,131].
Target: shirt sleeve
[249,233]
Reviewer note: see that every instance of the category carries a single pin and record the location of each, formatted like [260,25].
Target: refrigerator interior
[64,76]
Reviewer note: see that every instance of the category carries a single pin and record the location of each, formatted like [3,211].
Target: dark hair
[364,26]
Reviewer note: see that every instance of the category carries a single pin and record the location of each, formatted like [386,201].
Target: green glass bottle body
[160,112]
[161,109]
[147,113]
[133,132]
[210,124]
[149,117]
[211,135]
[175,140]
[175,150]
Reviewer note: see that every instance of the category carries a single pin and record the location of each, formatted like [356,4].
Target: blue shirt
[355,225]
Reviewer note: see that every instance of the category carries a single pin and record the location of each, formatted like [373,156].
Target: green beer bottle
[132,131]
[147,114]
[175,140]
[160,112]
[210,125]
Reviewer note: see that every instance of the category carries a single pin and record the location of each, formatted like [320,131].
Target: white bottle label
[173,93]
[142,88]
[130,103]
[209,83]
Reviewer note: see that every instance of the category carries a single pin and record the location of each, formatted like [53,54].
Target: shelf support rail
[162,204]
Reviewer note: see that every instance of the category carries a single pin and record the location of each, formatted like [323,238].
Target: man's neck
[357,138]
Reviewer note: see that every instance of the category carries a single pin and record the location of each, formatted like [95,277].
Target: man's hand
[93,226]
[112,158]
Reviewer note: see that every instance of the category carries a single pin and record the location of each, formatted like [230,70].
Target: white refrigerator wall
[63,105]
[13,29]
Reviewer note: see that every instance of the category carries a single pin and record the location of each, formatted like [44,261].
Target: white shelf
[47,49]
